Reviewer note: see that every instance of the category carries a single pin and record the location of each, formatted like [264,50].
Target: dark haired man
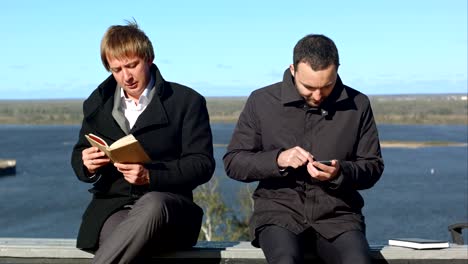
[284,131]
[141,208]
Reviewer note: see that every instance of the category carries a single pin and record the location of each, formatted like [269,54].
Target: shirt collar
[144,97]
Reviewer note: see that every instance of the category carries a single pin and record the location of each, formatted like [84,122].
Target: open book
[124,150]
[418,243]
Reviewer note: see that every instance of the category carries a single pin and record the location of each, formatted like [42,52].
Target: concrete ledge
[63,251]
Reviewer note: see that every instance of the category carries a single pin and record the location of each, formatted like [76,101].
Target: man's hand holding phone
[325,162]
[323,170]
[296,157]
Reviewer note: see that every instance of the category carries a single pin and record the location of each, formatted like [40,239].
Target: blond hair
[125,41]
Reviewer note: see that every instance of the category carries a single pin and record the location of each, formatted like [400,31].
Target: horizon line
[246,96]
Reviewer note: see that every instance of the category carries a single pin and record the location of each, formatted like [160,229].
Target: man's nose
[317,95]
[127,74]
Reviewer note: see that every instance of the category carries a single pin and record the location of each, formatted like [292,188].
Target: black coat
[276,118]
[175,132]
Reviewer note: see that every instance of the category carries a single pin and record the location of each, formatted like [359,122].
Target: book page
[131,153]
[125,150]
[127,140]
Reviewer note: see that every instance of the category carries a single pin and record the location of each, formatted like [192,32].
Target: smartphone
[325,162]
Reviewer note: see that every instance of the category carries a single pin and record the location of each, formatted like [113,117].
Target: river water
[422,191]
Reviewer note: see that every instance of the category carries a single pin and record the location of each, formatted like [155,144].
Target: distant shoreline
[447,109]
[419,144]
[407,144]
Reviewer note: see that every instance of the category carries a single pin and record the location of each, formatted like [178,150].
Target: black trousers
[158,221]
[282,246]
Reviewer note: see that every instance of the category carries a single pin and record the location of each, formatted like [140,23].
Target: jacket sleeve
[245,159]
[366,169]
[76,159]
[195,164]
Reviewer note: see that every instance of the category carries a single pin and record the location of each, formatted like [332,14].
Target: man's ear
[291,69]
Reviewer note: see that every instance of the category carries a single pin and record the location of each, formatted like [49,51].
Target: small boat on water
[7,167]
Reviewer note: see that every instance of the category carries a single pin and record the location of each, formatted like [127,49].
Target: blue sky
[50,49]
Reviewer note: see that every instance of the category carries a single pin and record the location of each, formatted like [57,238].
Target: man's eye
[115,70]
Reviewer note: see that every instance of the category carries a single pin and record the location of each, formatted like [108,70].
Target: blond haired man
[142,207]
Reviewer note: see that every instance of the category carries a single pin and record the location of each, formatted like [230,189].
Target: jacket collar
[100,104]
[290,96]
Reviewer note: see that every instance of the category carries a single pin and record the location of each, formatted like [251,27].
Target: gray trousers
[158,221]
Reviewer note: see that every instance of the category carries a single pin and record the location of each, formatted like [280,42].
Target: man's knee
[280,245]
[174,218]
[151,198]
[351,247]
[165,207]
[153,205]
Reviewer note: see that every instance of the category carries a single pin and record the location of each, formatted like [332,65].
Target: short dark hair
[316,50]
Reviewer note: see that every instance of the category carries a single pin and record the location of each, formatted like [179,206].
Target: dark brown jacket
[276,118]
[174,130]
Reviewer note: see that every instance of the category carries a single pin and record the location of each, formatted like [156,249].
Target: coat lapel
[105,122]
[99,114]
[118,114]
[154,115]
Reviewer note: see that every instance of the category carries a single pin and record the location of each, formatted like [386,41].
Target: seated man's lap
[175,219]
[282,246]
[349,247]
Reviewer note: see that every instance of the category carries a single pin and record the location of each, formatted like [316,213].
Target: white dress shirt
[132,110]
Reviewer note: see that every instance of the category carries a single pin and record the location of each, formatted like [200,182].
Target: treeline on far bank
[390,109]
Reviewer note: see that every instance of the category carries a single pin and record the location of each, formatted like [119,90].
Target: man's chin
[313,104]
[131,87]
[133,92]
